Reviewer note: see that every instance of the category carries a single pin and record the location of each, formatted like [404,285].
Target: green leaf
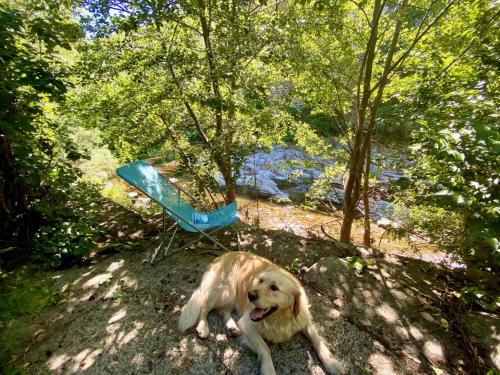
[363,368]
[118,293]
[458,198]
[493,372]
[445,324]
[457,155]
[493,242]
[495,147]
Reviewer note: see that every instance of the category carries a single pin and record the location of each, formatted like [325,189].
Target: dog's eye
[274,288]
[261,281]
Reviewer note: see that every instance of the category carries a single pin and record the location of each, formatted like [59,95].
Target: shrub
[72,230]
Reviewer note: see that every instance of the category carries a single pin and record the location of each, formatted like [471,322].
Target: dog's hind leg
[202,328]
[228,321]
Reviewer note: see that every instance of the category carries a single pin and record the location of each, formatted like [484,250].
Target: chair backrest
[147,179]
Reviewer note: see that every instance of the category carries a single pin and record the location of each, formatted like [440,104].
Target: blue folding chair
[147,179]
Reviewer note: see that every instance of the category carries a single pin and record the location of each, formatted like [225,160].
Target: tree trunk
[227,174]
[366,201]
[353,185]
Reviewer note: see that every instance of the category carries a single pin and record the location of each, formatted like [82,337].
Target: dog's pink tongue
[257,313]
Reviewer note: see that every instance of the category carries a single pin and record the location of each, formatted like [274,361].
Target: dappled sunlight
[186,352]
[401,296]
[389,303]
[137,234]
[434,350]
[124,338]
[116,265]
[219,337]
[138,359]
[388,313]
[129,282]
[268,242]
[416,333]
[334,314]
[83,276]
[230,355]
[118,316]
[112,291]
[84,360]
[57,361]
[97,280]
[381,365]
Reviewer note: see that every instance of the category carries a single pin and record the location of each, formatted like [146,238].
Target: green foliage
[359,264]
[73,229]
[482,298]
[294,266]
[100,164]
[323,123]
[459,169]
[443,227]
[24,294]
[450,104]
[36,153]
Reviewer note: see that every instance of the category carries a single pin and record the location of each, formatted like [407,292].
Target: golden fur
[271,302]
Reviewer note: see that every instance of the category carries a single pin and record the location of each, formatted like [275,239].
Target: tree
[370,88]
[195,77]
[33,158]
[455,148]
[357,48]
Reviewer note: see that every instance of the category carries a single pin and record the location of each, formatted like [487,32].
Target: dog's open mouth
[258,314]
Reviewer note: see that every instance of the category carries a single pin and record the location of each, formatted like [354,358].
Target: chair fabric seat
[147,179]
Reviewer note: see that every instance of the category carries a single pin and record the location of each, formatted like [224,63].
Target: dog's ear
[296,304]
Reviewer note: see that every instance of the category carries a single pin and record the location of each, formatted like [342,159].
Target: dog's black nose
[252,296]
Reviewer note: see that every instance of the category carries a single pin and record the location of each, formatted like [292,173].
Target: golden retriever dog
[271,302]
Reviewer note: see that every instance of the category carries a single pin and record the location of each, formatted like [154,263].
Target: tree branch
[417,38]
[360,7]
[260,8]
[205,26]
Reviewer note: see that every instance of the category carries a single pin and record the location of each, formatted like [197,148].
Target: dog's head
[273,291]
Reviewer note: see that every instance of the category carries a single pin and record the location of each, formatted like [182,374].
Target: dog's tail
[190,313]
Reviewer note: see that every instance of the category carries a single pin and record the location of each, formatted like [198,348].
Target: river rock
[286,174]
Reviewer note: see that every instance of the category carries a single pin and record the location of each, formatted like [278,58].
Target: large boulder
[331,275]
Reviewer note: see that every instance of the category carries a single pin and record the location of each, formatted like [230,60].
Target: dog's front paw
[332,366]
[232,329]
[203,330]
[267,368]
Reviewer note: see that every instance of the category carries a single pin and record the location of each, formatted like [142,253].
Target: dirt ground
[118,313]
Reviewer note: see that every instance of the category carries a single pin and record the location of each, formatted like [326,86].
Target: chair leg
[162,243]
[194,242]
[170,242]
[168,253]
